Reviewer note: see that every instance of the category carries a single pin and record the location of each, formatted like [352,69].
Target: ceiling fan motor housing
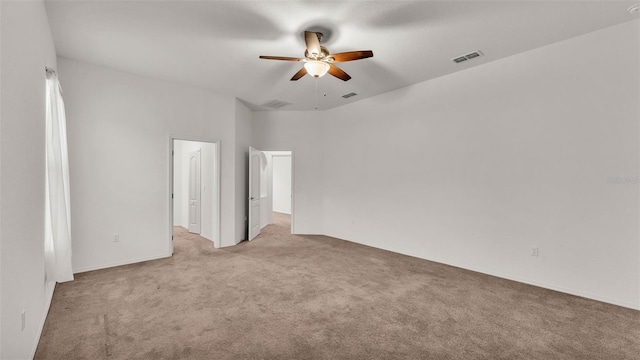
[324,52]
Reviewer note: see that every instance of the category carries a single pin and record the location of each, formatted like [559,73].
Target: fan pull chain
[316,93]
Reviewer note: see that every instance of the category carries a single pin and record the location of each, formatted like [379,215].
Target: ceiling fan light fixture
[316,68]
[318,61]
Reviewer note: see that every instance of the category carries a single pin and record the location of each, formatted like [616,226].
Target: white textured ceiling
[216,44]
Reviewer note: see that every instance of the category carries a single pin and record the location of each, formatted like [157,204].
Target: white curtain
[57,211]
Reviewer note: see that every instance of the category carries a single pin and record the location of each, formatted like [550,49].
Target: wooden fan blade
[339,73]
[302,72]
[350,56]
[313,44]
[280,58]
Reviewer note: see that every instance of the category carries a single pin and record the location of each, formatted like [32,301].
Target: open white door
[194,192]
[254,193]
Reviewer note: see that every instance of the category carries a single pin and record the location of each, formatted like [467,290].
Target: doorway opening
[276,189]
[194,188]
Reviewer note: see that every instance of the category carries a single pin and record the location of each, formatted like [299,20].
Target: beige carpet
[283,296]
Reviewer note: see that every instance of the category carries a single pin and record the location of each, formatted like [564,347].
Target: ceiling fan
[318,61]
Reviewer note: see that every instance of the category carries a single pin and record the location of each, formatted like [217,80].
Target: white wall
[119,128]
[300,132]
[26,47]
[474,168]
[281,183]
[209,217]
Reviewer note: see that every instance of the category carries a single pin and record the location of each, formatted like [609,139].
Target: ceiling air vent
[466,57]
[275,104]
[346,96]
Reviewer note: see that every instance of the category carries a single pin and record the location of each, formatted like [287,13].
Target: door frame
[216,176]
[293,184]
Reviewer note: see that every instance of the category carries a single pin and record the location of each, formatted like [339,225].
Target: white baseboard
[555,288]
[518,279]
[48,294]
[121,263]
[561,289]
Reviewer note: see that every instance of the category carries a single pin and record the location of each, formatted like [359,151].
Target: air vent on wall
[466,57]
[275,104]
[346,96]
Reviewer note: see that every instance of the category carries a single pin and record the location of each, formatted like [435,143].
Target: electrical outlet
[23,320]
[534,251]
[116,237]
